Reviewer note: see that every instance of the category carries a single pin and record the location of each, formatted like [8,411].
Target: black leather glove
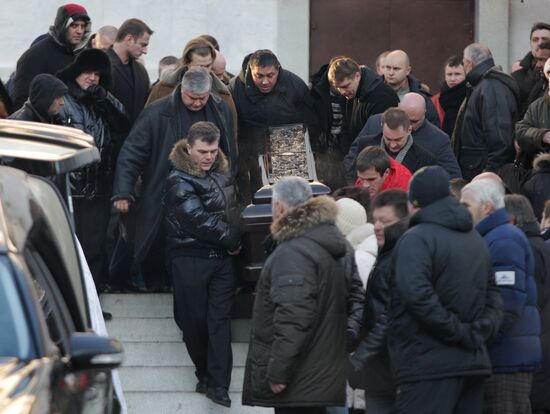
[97,92]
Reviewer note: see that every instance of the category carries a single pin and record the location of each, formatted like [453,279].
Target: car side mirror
[89,350]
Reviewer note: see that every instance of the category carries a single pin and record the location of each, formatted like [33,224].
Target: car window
[15,337]
[58,320]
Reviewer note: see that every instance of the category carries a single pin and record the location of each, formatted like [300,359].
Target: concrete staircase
[157,374]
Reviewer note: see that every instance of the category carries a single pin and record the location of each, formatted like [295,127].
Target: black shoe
[219,396]
[202,386]
[107,316]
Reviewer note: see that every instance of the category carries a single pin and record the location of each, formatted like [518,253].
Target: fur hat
[351,215]
[89,60]
[428,185]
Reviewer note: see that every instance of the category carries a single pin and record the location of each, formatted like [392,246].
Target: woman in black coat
[91,108]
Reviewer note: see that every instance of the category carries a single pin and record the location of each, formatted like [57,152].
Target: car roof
[46,149]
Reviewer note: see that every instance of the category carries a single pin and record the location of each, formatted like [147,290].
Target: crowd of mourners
[418,286]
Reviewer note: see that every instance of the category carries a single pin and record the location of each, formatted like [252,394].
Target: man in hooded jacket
[444,304]
[45,100]
[66,38]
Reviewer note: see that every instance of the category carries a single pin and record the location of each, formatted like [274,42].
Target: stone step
[144,329]
[159,305]
[127,305]
[164,330]
[185,403]
[169,379]
[170,354]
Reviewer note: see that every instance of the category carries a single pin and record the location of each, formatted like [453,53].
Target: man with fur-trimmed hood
[297,353]
[66,38]
[201,238]
[537,187]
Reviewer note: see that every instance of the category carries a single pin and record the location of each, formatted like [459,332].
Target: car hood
[24,386]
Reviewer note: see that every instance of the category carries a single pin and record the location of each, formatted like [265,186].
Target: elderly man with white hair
[483,137]
[516,352]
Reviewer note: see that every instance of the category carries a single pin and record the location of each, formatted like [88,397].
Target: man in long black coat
[131,81]
[146,149]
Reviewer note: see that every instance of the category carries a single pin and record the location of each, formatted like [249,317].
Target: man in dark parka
[297,353]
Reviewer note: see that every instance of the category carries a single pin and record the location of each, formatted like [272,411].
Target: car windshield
[15,339]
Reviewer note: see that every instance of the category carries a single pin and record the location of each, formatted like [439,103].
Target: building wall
[240,26]
[504,26]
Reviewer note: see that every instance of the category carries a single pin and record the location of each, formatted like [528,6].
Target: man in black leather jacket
[201,236]
[483,138]
[91,108]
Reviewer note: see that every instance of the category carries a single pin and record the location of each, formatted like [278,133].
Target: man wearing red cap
[66,38]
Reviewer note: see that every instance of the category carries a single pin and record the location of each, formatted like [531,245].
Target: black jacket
[371,356]
[540,399]
[285,104]
[145,152]
[450,100]
[199,207]
[326,128]
[98,115]
[48,56]
[444,301]
[355,292]
[416,158]
[131,91]
[526,78]
[429,137]
[484,133]
[537,187]
[298,334]
[373,97]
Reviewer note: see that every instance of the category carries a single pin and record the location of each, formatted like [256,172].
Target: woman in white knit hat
[352,222]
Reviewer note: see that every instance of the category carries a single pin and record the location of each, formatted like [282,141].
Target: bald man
[104,37]
[424,133]
[489,175]
[397,74]
[218,68]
